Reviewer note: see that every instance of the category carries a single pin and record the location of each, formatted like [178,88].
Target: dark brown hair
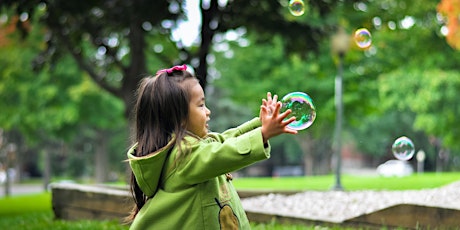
[160,113]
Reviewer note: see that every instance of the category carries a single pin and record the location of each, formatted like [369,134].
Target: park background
[69,69]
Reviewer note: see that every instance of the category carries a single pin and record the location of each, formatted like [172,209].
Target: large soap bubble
[302,108]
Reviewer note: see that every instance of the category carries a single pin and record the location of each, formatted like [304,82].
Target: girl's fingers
[263,109]
[268,105]
[285,114]
[288,121]
[275,98]
[290,131]
[269,96]
[287,129]
[277,108]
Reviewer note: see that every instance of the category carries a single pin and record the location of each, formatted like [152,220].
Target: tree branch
[85,66]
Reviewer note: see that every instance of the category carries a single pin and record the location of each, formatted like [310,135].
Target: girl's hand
[273,123]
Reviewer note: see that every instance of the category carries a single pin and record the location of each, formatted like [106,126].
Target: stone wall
[76,201]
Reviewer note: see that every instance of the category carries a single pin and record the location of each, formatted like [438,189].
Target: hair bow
[171,70]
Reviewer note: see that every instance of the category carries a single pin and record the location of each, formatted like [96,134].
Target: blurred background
[69,70]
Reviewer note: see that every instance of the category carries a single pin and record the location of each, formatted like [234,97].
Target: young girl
[180,172]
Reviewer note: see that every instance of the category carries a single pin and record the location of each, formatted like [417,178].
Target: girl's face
[198,112]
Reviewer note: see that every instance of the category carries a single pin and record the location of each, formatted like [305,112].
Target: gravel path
[337,206]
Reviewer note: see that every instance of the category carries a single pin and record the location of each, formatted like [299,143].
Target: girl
[180,171]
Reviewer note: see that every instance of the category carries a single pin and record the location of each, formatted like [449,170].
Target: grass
[34,212]
[45,220]
[349,182]
[28,203]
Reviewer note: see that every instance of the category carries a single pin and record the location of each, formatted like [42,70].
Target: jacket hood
[147,169]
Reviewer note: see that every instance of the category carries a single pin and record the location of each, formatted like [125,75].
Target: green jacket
[196,194]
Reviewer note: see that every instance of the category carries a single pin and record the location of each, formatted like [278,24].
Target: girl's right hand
[273,123]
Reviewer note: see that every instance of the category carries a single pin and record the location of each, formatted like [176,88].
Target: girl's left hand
[273,123]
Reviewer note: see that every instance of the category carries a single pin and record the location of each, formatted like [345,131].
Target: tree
[107,40]
[53,105]
[115,36]
[433,99]
[246,73]
[402,36]
[408,49]
[110,40]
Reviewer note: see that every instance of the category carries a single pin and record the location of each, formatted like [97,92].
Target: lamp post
[340,46]
[420,160]
[9,157]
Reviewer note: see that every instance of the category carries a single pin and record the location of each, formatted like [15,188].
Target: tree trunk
[207,33]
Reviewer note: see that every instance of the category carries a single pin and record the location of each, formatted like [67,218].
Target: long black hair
[160,112]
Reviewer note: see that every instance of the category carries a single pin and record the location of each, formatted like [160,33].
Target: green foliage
[285,150]
[58,105]
[260,68]
[101,109]
[433,97]
[390,88]
[116,44]
[112,42]
[376,133]
[72,69]
[51,102]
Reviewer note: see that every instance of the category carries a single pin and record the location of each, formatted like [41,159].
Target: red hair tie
[171,70]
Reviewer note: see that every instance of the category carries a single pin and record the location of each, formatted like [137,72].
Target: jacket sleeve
[209,159]
[243,128]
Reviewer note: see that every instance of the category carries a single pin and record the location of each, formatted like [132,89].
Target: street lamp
[340,46]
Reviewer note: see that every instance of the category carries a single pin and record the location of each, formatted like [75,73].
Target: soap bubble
[302,108]
[403,148]
[363,38]
[297,7]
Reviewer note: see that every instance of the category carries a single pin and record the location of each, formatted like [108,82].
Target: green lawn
[349,182]
[45,220]
[34,212]
[28,203]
